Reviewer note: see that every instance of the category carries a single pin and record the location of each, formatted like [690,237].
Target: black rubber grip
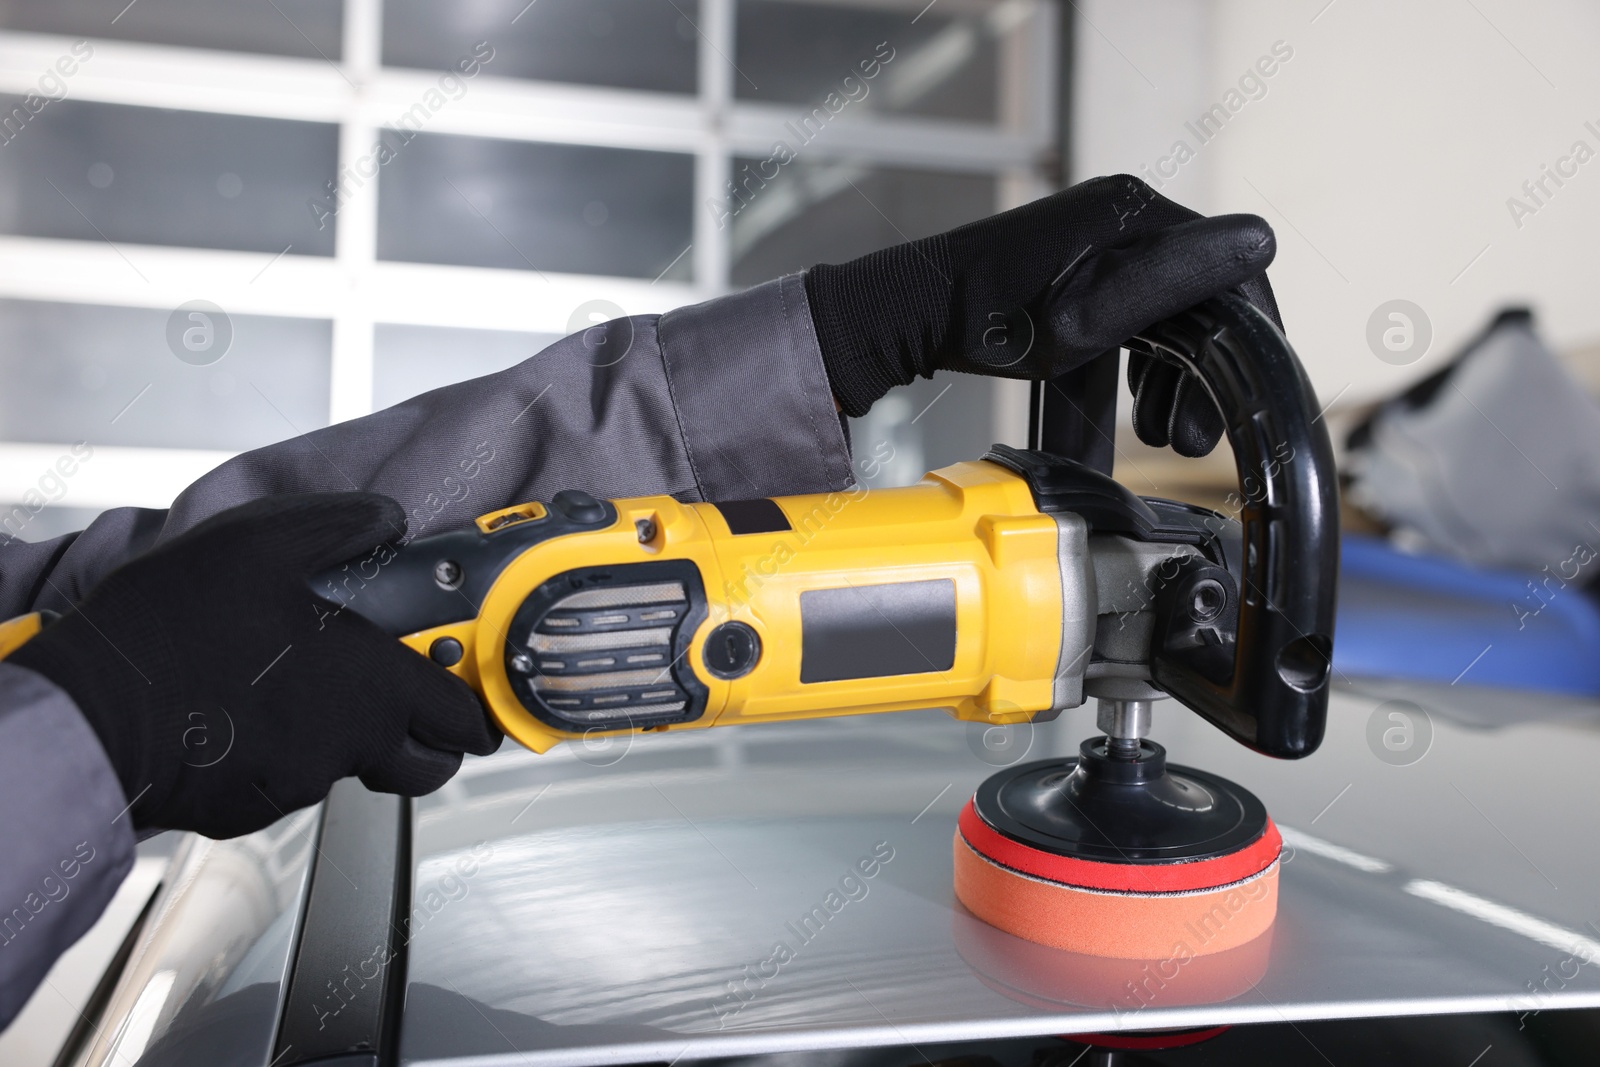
[1276,700]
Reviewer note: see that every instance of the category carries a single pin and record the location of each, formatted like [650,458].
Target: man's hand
[226,694]
[1039,290]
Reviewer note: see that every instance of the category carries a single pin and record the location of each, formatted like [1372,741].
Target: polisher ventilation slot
[605,655]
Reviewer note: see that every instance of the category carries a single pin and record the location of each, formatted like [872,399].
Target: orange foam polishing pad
[1123,911]
[1050,978]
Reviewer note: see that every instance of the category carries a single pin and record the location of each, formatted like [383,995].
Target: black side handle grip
[1276,699]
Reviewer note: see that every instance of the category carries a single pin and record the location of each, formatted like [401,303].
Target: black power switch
[731,650]
[446,651]
[578,506]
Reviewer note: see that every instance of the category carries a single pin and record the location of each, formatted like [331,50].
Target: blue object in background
[1430,618]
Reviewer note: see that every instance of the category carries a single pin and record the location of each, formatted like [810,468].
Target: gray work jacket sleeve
[724,400]
[66,841]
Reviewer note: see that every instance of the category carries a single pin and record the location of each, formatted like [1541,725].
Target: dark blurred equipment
[1432,619]
[1493,460]
[1487,473]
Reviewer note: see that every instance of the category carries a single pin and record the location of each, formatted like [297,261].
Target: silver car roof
[787,887]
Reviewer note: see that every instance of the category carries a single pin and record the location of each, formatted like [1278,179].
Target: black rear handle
[1276,699]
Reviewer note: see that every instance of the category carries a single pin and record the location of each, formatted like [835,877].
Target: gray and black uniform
[723,400]
[731,399]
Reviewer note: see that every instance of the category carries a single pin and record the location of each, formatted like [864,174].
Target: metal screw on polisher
[447,572]
[646,530]
[1207,600]
[1125,723]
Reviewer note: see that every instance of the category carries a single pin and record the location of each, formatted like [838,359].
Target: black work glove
[227,694]
[1038,291]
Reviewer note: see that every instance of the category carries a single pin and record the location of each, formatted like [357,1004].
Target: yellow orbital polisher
[1004,589]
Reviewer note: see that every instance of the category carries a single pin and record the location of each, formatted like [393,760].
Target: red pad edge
[1149,1041]
[1120,877]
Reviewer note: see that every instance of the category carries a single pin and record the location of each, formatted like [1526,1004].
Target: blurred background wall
[1385,152]
[224,222]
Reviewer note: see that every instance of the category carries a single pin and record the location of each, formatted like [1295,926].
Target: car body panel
[206,978]
[627,902]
